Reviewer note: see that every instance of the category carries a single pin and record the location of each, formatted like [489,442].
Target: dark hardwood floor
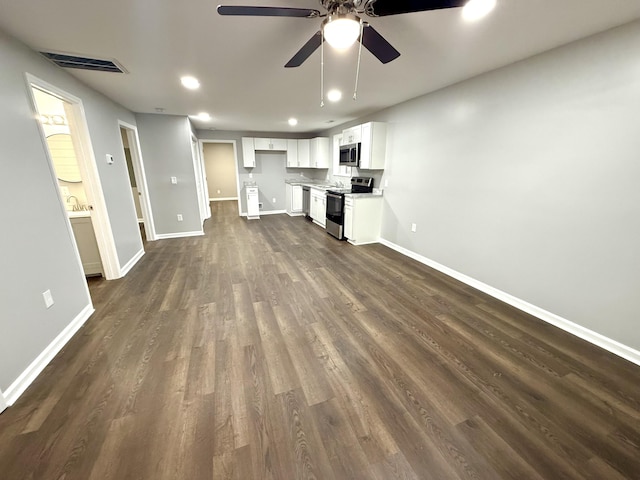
[269,350]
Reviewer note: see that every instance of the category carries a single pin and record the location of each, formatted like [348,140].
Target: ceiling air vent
[83,63]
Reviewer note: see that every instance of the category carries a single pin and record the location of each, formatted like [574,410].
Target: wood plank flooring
[269,350]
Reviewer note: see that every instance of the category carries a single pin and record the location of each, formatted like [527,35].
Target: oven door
[335,215]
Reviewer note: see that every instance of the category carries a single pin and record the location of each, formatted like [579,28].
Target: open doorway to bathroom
[64,153]
[66,136]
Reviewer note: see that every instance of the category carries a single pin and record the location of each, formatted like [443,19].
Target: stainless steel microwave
[350,155]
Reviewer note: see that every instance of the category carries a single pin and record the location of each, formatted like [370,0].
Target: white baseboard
[129,265]
[3,403]
[25,379]
[164,236]
[595,338]
[222,199]
[268,212]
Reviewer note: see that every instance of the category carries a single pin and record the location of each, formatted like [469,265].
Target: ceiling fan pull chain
[322,69]
[355,89]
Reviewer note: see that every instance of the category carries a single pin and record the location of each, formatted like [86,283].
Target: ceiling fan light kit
[341,30]
[342,25]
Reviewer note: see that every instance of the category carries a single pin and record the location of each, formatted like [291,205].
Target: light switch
[109,159]
[174,180]
[48,298]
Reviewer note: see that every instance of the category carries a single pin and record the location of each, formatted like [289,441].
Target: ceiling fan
[342,24]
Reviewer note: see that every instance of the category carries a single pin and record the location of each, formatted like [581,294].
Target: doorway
[201,187]
[65,135]
[221,170]
[137,179]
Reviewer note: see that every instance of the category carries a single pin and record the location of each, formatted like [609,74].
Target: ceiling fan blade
[378,45]
[306,51]
[267,11]
[382,8]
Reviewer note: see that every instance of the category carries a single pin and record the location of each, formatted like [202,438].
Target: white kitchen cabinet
[294,200]
[253,203]
[277,144]
[319,152]
[318,206]
[352,135]
[292,153]
[304,153]
[348,218]
[248,152]
[373,146]
[362,218]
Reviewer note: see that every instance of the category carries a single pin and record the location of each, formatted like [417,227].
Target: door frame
[235,159]
[141,178]
[88,170]
[201,188]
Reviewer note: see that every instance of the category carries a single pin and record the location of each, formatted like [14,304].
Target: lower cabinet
[87,245]
[253,203]
[318,207]
[294,199]
[362,218]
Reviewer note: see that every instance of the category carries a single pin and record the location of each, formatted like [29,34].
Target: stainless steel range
[335,204]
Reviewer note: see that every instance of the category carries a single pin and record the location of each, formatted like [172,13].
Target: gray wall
[165,141]
[527,179]
[270,170]
[37,249]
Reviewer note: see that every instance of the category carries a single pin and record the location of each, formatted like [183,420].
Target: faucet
[74,207]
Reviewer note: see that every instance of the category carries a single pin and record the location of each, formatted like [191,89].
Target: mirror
[64,157]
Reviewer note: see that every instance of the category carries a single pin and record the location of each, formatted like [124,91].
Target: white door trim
[89,171]
[235,159]
[197,170]
[141,178]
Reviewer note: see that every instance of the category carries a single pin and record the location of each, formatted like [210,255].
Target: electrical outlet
[413,227]
[174,180]
[386,183]
[273,199]
[48,298]
[179,217]
[218,191]
[251,175]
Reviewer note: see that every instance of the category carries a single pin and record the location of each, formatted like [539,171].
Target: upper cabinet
[373,145]
[351,135]
[248,152]
[277,144]
[300,153]
[319,152]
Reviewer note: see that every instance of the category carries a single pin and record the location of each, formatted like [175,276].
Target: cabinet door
[319,148]
[348,221]
[253,208]
[279,144]
[292,153]
[248,152]
[296,198]
[288,197]
[323,210]
[352,135]
[304,146]
[261,143]
[374,145]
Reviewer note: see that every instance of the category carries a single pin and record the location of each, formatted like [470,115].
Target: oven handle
[335,195]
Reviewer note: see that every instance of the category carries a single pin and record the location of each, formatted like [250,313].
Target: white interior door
[141,178]
[203,197]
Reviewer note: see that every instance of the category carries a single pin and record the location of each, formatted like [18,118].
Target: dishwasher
[306,200]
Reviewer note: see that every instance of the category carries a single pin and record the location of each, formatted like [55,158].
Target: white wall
[165,141]
[528,179]
[36,245]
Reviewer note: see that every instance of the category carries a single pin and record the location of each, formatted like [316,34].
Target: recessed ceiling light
[293,122]
[191,83]
[476,9]
[334,95]
[204,116]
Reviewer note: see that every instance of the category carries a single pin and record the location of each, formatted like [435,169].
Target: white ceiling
[240,60]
